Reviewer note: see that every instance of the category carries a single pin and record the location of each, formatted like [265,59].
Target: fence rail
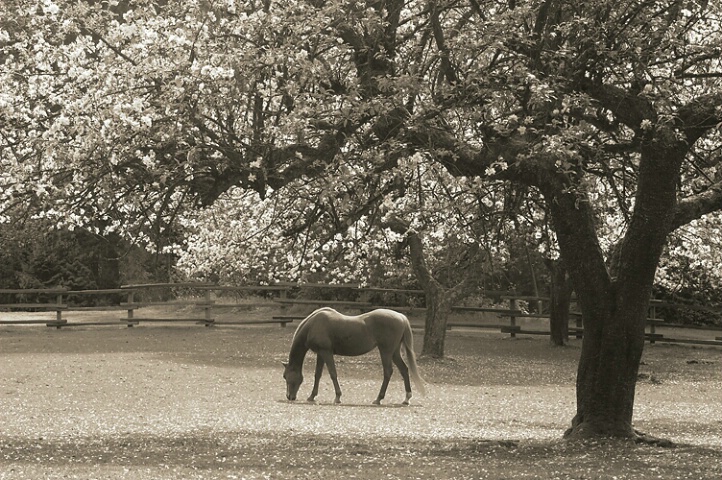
[292,304]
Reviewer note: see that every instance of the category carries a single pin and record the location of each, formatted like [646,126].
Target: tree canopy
[125,110]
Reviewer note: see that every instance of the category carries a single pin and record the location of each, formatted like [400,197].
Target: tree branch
[701,115]
[446,69]
[697,206]
[629,108]
[418,259]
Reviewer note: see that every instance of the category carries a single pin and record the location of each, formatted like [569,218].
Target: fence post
[131,300]
[652,326]
[578,322]
[59,311]
[580,326]
[208,307]
[512,318]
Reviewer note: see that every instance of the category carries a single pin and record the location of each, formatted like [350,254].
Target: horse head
[294,379]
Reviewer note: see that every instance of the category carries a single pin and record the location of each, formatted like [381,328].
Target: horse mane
[305,320]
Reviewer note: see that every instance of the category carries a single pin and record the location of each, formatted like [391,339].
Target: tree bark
[438,308]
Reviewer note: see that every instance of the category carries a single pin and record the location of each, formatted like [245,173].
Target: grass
[169,401]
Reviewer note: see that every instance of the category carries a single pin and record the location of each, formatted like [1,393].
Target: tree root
[641,437]
[586,434]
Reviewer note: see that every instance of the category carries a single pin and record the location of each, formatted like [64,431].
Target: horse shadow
[348,405]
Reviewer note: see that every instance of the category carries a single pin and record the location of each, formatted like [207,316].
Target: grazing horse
[327,333]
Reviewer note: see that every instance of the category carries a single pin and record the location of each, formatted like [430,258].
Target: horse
[328,332]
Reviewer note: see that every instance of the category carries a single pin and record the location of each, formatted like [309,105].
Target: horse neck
[298,348]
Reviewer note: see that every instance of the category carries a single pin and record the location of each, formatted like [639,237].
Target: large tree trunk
[614,301]
[607,373]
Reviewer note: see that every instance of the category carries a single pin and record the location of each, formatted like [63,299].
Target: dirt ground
[164,401]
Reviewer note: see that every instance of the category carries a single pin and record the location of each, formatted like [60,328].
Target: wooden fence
[292,302]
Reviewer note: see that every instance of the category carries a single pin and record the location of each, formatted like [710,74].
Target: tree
[610,117]
[630,110]
[185,101]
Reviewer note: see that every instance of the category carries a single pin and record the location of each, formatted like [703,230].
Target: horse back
[355,335]
[327,329]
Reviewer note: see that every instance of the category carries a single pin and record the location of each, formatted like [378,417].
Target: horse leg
[404,370]
[388,370]
[317,378]
[327,357]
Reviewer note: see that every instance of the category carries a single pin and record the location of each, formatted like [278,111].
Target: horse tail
[408,341]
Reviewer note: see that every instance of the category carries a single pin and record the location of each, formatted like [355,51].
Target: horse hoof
[405,402]
[376,402]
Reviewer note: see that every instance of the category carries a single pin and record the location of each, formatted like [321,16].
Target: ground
[184,401]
